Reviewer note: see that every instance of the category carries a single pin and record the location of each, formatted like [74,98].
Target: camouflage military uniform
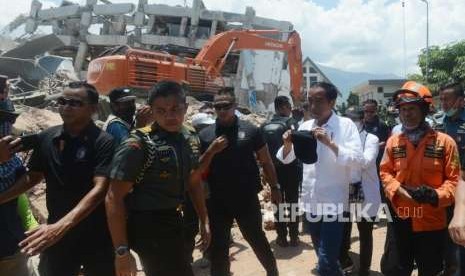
[159,164]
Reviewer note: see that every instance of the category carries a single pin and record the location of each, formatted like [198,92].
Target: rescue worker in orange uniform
[419,171]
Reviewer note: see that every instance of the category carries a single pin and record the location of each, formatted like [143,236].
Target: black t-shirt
[234,170]
[69,165]
[378,128]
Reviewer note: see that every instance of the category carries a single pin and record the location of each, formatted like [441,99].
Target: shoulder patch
[146,129]
[133,143]
[399,152]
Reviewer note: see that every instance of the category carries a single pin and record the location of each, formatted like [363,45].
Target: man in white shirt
[364,198]
[325,187]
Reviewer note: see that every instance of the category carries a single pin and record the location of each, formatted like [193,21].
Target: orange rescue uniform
[434,163]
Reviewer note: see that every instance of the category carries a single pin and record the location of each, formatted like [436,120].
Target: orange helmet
[413,92]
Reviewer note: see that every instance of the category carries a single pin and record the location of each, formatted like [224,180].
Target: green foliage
[353,100]
[446,64]
[341,109]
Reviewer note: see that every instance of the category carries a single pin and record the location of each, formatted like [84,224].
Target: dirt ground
[292,261]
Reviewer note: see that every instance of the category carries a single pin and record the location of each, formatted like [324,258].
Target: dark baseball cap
[120,95]
[304,146]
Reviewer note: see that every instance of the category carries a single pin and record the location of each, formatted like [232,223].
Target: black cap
[120,95]
[304,146]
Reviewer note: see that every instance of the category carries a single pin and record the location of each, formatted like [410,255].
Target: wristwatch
[275,187]
[122,250]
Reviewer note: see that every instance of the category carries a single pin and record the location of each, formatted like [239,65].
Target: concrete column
[183,27]
[80,56]
[197,6]
[213,28]
[244,99]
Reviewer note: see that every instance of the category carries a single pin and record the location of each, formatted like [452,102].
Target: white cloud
[355,35]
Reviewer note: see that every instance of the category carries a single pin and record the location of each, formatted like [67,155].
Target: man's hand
[205,237]
[322,136]
[41,238]
[424,195]
[144,116]
[287,138]
[276,196]
[457,227]
[218,145]
[404,194]
[125,265]
[8,146]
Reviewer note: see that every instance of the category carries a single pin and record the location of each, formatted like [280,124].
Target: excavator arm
[214,53]
[141,69]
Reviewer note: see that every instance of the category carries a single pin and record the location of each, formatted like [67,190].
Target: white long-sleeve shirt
[368,175]
[325,186]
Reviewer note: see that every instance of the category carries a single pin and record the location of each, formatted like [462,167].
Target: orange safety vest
[434,163]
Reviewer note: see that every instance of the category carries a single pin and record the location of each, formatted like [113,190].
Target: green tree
[353,100]
[341,108]
[446,64]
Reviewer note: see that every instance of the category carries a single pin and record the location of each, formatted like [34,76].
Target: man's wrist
[122,250]
[275,187]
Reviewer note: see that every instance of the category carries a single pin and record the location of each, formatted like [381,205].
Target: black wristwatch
[122,250]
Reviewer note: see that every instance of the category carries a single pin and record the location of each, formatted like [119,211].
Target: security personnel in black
[234,182]
[151,171]
[452,97]
[74,159]
[290,175]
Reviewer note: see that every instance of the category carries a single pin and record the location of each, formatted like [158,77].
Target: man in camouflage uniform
[158,163]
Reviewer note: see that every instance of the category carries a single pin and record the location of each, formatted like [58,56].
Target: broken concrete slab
[35,47]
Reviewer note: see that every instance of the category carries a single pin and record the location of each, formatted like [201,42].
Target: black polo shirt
[234,170]
[69,165]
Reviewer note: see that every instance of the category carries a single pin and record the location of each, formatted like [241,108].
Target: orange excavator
[140,69]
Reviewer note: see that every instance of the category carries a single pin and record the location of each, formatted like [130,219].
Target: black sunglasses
[223,107]
[70,102]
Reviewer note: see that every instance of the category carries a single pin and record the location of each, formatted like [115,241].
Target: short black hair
[370,101]
[92,94]
[331,91]
[454,86]
[281,101]
[165,89]
[226,92]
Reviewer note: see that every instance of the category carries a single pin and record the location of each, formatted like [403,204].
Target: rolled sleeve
[128,161]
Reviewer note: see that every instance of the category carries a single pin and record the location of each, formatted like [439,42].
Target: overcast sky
[352,35]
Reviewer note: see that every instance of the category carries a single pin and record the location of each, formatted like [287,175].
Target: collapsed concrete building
[88,30]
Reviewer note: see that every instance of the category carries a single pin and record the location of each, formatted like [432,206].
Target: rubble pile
[34,120]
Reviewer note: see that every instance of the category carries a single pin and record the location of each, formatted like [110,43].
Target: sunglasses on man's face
[70,102]
[223,107]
